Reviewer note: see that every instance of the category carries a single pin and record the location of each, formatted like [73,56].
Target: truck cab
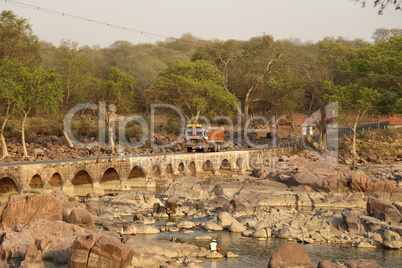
[196,137]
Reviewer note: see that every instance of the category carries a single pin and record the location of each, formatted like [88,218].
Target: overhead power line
[54,12]
[154,36]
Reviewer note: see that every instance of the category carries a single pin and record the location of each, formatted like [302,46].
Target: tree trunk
[24,147]
[292,121]
[246,108]
[378,122]
[4,146]
[322,142]
[3,140]
[69,142]
[354,152]
[111,135]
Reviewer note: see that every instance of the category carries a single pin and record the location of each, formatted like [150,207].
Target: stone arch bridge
[100,175]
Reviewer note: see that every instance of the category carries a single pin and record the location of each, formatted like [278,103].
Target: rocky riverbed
[299,201]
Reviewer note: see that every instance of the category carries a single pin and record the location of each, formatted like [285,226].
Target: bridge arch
[82,182]
[169,169]
[36,182]
[81,177]
[110,174]
[181,168]
[192,168]
[110,180]
[239,164]
[136,172]
[208,167]
[156,171]
[225,165]
[56,181]
[8,183]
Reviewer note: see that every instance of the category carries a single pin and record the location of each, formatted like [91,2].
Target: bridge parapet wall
[135,171]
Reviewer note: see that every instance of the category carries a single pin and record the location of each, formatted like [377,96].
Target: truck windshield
[194,132]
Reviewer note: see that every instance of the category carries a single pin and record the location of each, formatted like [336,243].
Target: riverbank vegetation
[267,77]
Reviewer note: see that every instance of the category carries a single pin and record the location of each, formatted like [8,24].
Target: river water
[254,253]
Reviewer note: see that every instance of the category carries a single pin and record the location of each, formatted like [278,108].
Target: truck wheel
[218,147]
[205,149]
[189,150]
[215,148]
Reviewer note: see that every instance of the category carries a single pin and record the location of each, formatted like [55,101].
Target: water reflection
[254,253]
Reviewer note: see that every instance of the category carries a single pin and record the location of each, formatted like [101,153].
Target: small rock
[231,255]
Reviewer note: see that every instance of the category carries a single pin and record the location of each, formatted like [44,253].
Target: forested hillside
[201,77]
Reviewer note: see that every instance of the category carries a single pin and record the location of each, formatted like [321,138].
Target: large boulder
[363,183]
[58,249]
[363,264]
[383,210]
[290,255]
[213,226]
[329,264]
[290,232]
[171,204]
[22,209]
[262,233]
[81,217]
[224,219]
[55,228]
[186,224]
[94,208]
[99,251]
[350,218]
[237,227]
[18,246]
[162,247]
[391,240]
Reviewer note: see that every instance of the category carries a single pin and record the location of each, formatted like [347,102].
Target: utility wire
[155,37]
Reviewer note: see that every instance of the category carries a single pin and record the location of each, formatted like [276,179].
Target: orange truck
[202,137]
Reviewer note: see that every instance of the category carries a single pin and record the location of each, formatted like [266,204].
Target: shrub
[46,126]
[48,257]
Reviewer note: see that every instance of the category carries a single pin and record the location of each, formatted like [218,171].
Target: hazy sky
[307,20]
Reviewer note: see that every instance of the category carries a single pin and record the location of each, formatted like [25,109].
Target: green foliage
[40,91]
[77,85]
[171,127]
[17,39]
[351,97]
[387,133]
[34,192]
[49,257]
[364,135]
[11,84]
[194,87]
[45,126]
[9,194]
[379,66]
[118,89]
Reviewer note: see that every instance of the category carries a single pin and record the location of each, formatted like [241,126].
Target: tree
[383,34]
[194,87]
[351,97]
[333,55]
[10,90]
[117,89]
[379,66]
[382,4]
[40,90]
[254,67]
[75,82]
[17,39]
[222,54]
